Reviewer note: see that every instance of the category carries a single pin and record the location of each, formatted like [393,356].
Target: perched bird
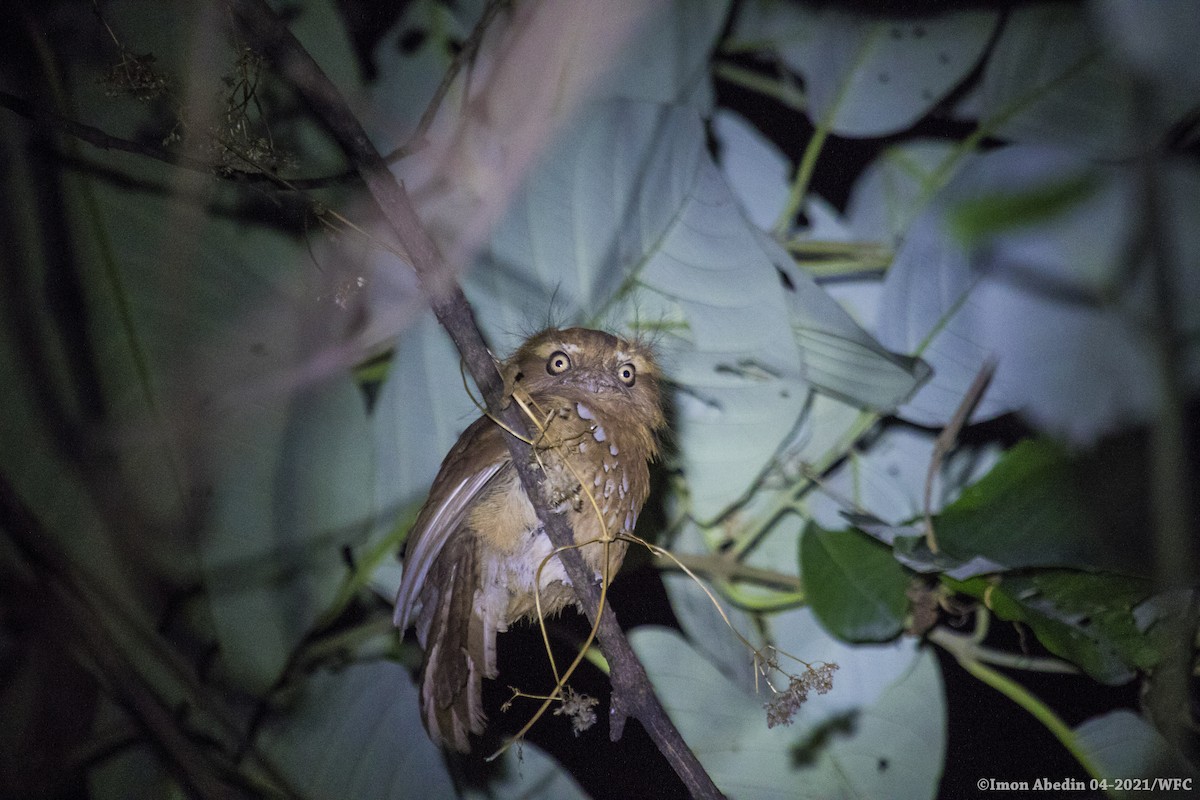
[473,553]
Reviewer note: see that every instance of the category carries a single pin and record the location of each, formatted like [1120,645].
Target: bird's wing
[473,462]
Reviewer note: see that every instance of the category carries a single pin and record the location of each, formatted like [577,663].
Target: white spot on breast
[584,411]
[583,447]
[608,487]
[599,433]
[607,466]
[630,520]
[624,484]
[597,479]
[612,448]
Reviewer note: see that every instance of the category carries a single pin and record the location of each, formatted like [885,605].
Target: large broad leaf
[319,26]
[896,187]
[887,479]
[421,410]
[757,171]
[706,624]
[840,358]
[866,76]
[356,733]
[187,337]
[1035,299]
[1156,39]
[293,491]
[627,223]
[666,59]
[138,767]
[528,772]
[829,427]
[35,453]
[878,733]
[411,61]
[1048,80]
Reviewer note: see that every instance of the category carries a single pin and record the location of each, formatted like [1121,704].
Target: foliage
[224,398]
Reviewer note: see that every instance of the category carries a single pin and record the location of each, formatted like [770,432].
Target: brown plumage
[472,555]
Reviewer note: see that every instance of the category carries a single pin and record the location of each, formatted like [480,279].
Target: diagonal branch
[632,693]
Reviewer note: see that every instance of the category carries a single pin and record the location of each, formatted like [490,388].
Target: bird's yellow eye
[627,373]
[558,363]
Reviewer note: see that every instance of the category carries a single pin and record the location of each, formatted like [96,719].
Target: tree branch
[48,120]
[74,627]
[97,137]
[632,693]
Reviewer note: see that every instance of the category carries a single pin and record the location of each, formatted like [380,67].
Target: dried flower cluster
[243,143]
[782,708]
[136,77]
[579,707]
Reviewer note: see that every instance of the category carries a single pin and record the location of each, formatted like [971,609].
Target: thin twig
[946,439]
[965,646]
[964,649]
[73,625]
[632,693]
[714,566]
[467,54]
[97,137]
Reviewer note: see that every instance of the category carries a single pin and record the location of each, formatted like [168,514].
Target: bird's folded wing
[471,465]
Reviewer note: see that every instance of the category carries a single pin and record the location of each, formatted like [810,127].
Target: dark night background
[988,736]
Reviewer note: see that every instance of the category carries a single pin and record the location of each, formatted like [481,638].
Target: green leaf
[1085,618]
[840,358]
[357,733]
[1040,506]
[702,622]
[885,481]
[879,732]
[895,188]
[294,489]
[421,410]
[979,218]
[854,585]
[1037,300]
[666,58]
[1047,80]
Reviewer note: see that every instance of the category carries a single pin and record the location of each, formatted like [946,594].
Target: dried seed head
[580,708]
[781,709]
